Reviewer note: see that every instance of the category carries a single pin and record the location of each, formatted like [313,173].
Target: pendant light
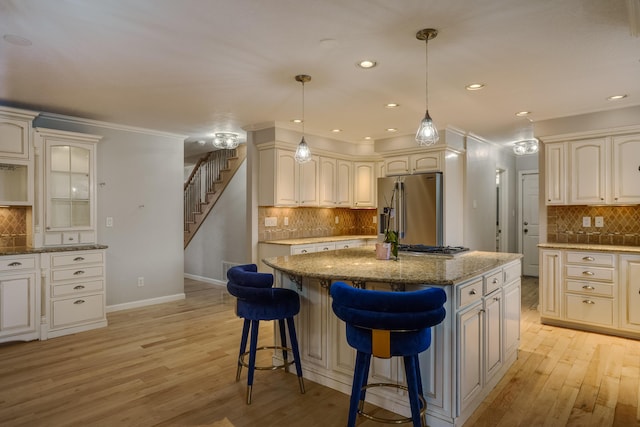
[303,153]
[427,132]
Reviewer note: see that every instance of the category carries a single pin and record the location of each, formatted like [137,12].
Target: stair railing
[202,181]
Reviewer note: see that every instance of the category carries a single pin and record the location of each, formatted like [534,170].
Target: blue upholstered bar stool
[385,324]
[258,300]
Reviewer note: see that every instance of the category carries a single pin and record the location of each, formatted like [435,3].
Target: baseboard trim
[208,280]
[145,303]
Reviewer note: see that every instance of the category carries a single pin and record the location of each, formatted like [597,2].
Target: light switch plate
[586,221]
[599,221]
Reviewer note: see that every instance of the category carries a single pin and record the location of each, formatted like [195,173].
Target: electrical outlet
[375,219]
[140,282]
[286,220]
[586,221]
[337,220]
[271,221]
[599,221]
[109,222]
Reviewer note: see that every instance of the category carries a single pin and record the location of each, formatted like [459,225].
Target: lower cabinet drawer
[76,273]
[590,309]
[68,312]
[590,288]
[469,293]
[76,288]
[590,273]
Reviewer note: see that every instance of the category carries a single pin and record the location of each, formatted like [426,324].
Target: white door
[529,223]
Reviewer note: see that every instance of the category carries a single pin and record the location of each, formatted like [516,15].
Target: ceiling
[193,67]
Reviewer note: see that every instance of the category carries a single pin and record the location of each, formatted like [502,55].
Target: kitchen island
[470,350]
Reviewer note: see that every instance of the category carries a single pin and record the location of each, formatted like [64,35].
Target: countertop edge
[591,247]
[50,249]
[314,240]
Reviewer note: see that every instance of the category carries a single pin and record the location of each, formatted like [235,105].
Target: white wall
[139,175]
[223,235]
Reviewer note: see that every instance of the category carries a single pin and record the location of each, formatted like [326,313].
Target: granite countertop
[313,240]
[591,247]
[24,250]
[360,264]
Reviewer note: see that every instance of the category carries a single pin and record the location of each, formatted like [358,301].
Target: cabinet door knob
[494,281]
[472,292]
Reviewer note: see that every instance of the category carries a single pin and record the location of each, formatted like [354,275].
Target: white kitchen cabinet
[364,193]
[336,183]
[68,201]
[15,133]
[555,173]
[589,168]
[629,280]
[16,159]
[512,309]
[285,182]
[19,298]
[470,357]
[549,283]
[625,170]
[430,161]
[75,290]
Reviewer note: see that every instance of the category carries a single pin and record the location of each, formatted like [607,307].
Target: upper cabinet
[16,160]
[365,184]
[588,166]
[68,199]
[625,172]
[336,183]
[284,182]
[594,171]
[430,161]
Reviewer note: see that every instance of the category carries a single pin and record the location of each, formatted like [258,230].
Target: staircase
[206,183]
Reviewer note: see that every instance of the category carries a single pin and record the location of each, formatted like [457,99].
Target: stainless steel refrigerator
[412,206]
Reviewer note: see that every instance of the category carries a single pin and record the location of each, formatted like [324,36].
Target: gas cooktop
[438,250]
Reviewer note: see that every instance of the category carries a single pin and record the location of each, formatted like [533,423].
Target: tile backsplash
[315,222]
[13,227]
[621,225]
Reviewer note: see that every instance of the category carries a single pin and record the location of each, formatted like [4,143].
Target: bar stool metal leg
[243,346]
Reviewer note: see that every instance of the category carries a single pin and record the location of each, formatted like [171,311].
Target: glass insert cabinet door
[69,187]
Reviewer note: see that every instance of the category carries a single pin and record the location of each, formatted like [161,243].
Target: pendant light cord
[303,109]
[426,73]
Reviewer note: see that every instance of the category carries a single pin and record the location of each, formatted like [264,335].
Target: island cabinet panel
[550,264]
[469,329]
[314,304]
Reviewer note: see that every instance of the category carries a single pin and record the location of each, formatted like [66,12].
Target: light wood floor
[174,365]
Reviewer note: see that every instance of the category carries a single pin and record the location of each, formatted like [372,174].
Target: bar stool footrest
[271,367]
[423,405]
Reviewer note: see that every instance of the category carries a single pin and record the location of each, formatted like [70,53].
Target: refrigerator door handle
[402,210]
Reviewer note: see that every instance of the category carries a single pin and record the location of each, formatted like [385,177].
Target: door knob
[526,231]
[526,223]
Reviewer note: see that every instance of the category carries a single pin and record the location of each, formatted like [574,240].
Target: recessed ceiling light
[392,105]
[616,97]
[336,130]
[367,63]
[296,121]
[475,86]
[392,130]
[523,113]
[367,138]
[17,40]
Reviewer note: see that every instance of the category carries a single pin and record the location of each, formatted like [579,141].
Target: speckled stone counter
[360,264]
[314,240]
[588,247]
[24,250]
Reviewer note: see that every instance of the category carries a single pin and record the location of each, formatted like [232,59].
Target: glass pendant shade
[303,153]
[427,133]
